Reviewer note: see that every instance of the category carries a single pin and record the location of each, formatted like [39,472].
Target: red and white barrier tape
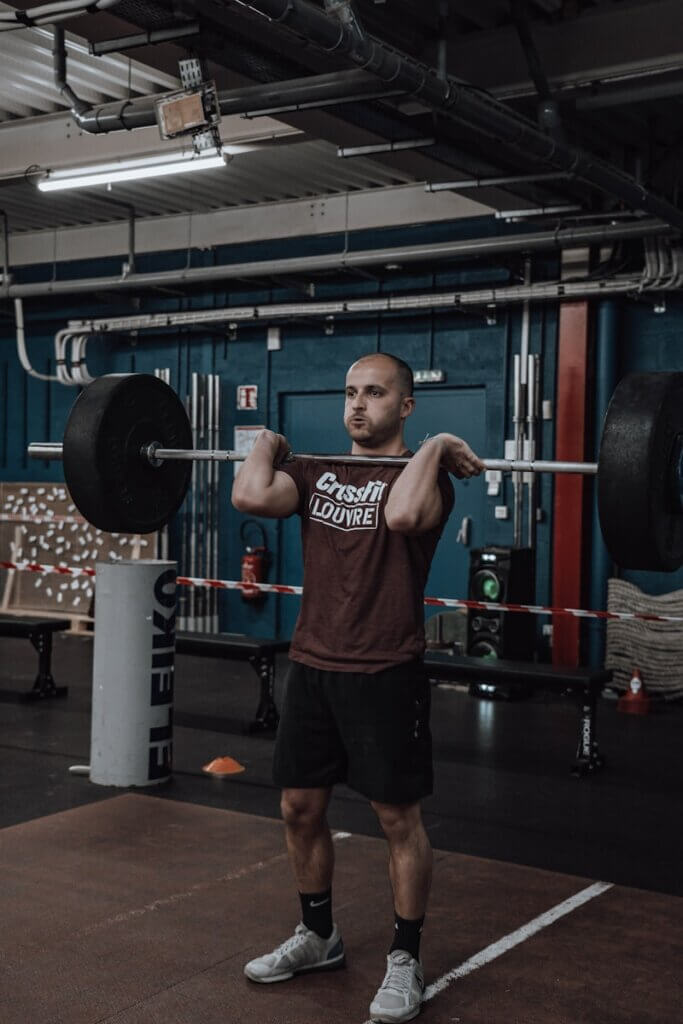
[59,570]
[266,588]
[439,602]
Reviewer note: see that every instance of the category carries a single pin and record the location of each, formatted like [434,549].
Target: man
[356,704]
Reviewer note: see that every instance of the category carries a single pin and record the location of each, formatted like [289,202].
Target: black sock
[316,911]
[407,936]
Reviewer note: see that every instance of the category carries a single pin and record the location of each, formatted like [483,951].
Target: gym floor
[129,905]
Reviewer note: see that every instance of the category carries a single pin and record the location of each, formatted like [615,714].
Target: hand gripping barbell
[127,453]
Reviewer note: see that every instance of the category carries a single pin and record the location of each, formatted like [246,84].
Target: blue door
[313,423]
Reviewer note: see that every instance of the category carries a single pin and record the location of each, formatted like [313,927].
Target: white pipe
[480,297]
[21,345]
[476,298]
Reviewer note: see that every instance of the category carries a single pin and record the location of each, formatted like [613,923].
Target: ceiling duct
[343,35]
[268,98]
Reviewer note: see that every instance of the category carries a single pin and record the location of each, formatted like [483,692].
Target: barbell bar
[156,456]
[127,450]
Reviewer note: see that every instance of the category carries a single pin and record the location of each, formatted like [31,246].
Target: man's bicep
[283,496]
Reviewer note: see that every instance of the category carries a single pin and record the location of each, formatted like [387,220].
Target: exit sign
[429,376]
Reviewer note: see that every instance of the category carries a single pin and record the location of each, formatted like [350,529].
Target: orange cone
[635,701]
[223,766]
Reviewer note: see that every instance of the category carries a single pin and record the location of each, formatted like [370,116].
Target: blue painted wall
[472,353]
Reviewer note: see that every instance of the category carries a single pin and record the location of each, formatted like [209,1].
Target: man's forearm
[256,475]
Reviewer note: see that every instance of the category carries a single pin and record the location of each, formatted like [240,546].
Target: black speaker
[504,575]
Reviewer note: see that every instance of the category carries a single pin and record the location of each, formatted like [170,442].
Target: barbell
[127,454]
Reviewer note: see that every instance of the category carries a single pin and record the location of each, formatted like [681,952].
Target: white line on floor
[166,901]
[496,949]
[513,939]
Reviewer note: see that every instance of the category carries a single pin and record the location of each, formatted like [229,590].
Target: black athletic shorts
[369,730]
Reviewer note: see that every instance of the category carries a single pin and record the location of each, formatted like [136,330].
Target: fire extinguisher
[255,560]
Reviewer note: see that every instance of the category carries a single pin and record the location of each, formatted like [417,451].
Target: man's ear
[407,406]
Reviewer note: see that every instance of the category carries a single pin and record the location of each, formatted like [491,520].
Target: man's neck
[396,446]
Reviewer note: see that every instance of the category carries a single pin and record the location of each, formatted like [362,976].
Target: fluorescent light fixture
[131,170]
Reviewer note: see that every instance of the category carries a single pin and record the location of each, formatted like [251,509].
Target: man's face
[375,404]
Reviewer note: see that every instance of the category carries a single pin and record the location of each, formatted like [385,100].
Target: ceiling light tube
[129,170]
[537,211]
[384,147]
[507,179]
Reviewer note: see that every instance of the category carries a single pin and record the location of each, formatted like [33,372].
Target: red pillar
[570,446]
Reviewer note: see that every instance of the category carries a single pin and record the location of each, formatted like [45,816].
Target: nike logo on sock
[319,903]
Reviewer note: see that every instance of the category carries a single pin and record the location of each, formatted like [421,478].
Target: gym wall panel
[472,354]
[308,360]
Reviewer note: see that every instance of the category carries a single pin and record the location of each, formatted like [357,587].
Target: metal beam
[471,248]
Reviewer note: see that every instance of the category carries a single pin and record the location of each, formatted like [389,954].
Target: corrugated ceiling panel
[27,82]
[269,174]
[264,175]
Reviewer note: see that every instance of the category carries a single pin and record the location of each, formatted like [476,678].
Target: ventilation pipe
[78,106]
[344,36]
[548,110]
[254,100]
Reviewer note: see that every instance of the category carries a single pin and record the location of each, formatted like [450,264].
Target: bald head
[404,374]
[379,390]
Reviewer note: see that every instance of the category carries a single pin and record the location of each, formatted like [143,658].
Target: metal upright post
[184,597]
[532,417]
[216,495]
[201,507]
[521,383]
[194,403]
[211,469]
[162,542]
[517,491]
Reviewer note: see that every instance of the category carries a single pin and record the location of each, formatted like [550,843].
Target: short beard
[371,439]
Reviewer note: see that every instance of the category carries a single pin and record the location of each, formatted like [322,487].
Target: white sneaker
[399,997]
[303,952]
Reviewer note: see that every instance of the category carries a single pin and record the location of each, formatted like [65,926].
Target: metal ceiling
[27,86]
[614,68]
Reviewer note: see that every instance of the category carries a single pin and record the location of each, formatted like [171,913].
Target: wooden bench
[39,631]
[258,651]
[585,683]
